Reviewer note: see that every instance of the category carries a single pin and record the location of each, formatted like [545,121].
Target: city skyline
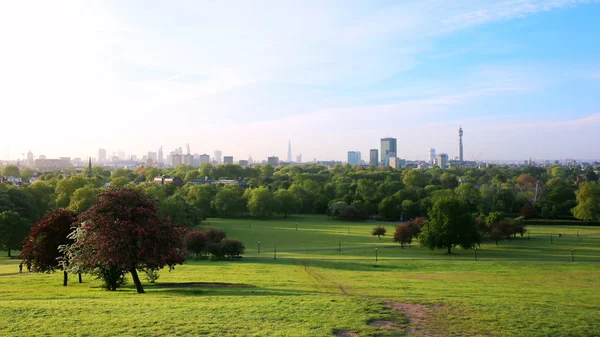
[522,78]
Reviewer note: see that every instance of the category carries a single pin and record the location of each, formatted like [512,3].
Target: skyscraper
[374,157]
[160,155]
[101,155]
[354,157]
[218,155]
[460,144]
[289,156]
[442,160]
[30,161]
[431,155]
[299,158]
[388,149]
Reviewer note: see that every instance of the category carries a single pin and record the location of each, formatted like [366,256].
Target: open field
[311,291]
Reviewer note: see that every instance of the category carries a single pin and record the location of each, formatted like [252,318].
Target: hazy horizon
[521,77]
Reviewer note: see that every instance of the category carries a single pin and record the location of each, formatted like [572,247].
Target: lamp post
[339,246]
[275,253]
[376,258]
[475,254]
[259,247]
[572,256]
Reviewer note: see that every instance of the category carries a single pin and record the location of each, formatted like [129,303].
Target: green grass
[309,291]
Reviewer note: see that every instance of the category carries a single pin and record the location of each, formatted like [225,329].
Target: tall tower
[160,155]
[89,171]
[289,156]
[460,144]
[431,155]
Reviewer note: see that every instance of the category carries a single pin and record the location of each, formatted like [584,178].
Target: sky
[522,78]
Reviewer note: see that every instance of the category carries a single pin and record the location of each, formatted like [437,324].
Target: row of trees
[122,233]
[344,192]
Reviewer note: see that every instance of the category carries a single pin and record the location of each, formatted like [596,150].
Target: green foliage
[27,173]
[287,203]
[13,230]
[84,198]
[229,201]
[11,170]
[450,224]
[261,202]
[588,202]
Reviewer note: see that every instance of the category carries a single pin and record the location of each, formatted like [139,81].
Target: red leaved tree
[403,234]
[196,242]
[379,231]
[40,248]
[123,233]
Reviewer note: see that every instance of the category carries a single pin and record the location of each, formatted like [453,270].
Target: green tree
[414,178]
[261,202]
[84,198]
[66,187]
[450,224]
[470,195]
[11,170]
[13,230]
[27,174]
[202,197]
[229,201]
[588,202]
[42,196]
[287,203]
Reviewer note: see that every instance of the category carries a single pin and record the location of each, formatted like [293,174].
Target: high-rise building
[431,155]
[204,159]
[299,158]
[460,144]
[122,155]
[30,159]
[218,155]
[176,159]
[289,156]
[442,160]
[273,161]
[228,160]
[354,157]
[374,157]
[152,156]
[101,155]
[388,149]
[160,155]
[243,163]
[187,146]
[188,159]
[394,162]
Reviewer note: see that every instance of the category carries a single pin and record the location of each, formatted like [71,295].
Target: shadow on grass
[225,291]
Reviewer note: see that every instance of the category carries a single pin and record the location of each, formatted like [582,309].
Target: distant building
[204,159]
[431,156]
[160,156]
[442,160]
[396,162]
[228,160]
[218,155]
[176,159]
[289,155]
[273,161]
[388,149]
[52,164]
[153,156]
[30,161]
[102,155]
[460,144]
[188,159]
[374,157]
[162,180]
[243,163]
[354,157]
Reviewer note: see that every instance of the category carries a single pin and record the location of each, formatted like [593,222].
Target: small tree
[196,242]
[41,247]
[403,235]
[379,231]
[232,248]
[123,233]
[13,229]
[450,224]
[588,202]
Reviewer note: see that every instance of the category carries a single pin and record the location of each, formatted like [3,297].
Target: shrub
[196,242]
[232,248]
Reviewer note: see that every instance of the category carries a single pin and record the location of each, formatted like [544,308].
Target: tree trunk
[65,278]
[449,249]
[9,253]
[136,280]
[80,281]
[379,236]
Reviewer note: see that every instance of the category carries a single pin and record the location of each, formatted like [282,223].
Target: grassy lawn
[314,290]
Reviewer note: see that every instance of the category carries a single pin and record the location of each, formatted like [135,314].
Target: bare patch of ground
[345,333]
[416,315]
[203,285]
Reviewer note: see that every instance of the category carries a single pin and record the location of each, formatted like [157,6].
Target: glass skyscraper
[388,149]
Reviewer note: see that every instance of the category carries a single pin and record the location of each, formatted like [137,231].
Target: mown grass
[307,291]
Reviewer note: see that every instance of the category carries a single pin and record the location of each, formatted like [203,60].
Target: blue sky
[521,76]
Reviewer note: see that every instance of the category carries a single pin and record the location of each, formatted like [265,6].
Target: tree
[123,233]
[379,231]
[588,202]
[27,174]
[261,202]
[287,203]
[11,170]
[41,247]
[528,211]
[83,198]
[13,229]
[450,224]
[229,201]
[201,196]
[403,235]
[232,248]
[196,242]
[470,195]
[42,196]
[414,178]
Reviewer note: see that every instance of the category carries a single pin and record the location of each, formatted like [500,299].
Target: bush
[232,248]
[151,275]
[196,242]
